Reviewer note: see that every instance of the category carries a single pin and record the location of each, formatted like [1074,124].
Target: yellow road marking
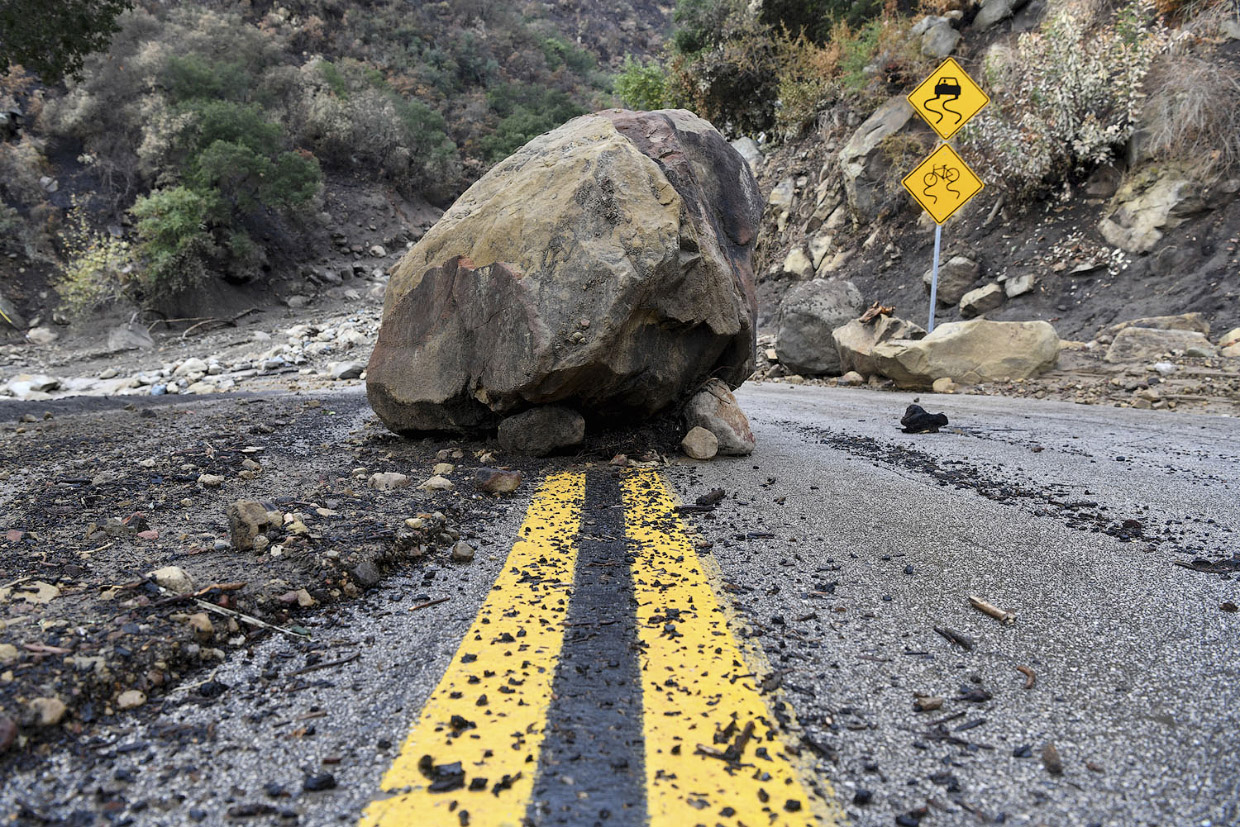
[695,684]
[509,656]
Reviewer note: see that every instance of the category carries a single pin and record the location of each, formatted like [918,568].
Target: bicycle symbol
[946,87]
[948,175]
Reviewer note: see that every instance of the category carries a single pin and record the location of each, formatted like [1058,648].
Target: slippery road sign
[942,184]
[948,99]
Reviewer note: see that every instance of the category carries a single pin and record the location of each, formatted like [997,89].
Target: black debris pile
[917,421]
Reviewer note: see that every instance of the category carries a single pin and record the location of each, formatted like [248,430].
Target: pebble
[8,653]
[319,783]
[388,481]
[174,579]
[49,711]
[497,481]
[462,552]
[437,483]
[130,699]
[700,444]
[443,469]
[210,480]
[202,627]
[8,733]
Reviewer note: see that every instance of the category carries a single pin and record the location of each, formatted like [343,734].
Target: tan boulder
[855,342]
[969,353]
[1180,321]
[1144,344]
[1231,337]
[700,443]
[605,266]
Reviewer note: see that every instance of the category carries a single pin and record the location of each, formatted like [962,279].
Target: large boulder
[957,276]
[855,341]
[1147,344]
[807,315]
[605,265]
[864,163]
[1181,321]
[970,352]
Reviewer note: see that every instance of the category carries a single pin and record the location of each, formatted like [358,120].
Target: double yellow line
[713,753]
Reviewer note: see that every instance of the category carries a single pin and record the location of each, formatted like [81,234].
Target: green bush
[174,240]
[641,86]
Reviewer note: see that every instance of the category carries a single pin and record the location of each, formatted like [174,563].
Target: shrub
[733,84]
[96,267]
[1065,99]
[641,86]
[174,240]
[1193,114]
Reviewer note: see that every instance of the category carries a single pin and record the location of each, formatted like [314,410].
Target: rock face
[807,316]
[956,277]
[1143,344]
[1183,321]
[605,265]
[855,342]
[862,159]
[994,11]
[714,408]
[1147,206]
[970,352]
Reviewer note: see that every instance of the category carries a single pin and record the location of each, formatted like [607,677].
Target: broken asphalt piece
[443,777]
[1051,759]
[959,638]
[917,421]
[1211,566]
[973,694]
[1229,607]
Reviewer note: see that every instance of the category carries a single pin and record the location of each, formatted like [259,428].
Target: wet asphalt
[843,543]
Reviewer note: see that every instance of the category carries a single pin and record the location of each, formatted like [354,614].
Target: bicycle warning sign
[942,184]
[948,98]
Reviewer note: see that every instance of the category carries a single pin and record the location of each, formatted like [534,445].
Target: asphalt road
[842,544]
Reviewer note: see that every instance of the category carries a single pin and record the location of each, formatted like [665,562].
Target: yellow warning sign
[942,183]
[948,98]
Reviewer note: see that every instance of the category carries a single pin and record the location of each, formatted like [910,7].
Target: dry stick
[15,582]
[253,621]
[324,665]
[428,603]
[1030,677]
[991,609]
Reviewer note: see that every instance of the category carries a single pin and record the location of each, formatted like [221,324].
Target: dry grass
[1193,114]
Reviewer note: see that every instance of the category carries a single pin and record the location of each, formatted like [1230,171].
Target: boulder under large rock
[605,265]
[807,316]
[856,341]
[714,408]
[970,352]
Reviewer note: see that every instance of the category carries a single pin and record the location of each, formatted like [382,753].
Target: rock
[798,265]
[130,699]
[190,367]
[956,277]
[8,733]
[437,483]
[917,420]
[1182,321]
[462,552]
[210,480]
[388,481]
[1104,181]
[970,352]
[1144,344]
[700,443]
[297,302]
[1231,351]
[982,300]
[783,196]
[1229,338]
[1147,206]
[378,251]
[11,317]
[48,712]
[541,431]
[367,574]
[202,627]
[8,653]
[1019,285]
[943,384]
[715,409]
[819,246]
[497,481]
[748,149]
[345,370]
[41,335]
[319,783]
[924,25]
[641,223]
[851,379]
[940,40]
[994,11]
[855,341]
[808,314]
[130,337]
[174,579]
[247,519]
[443,469]
[866,167]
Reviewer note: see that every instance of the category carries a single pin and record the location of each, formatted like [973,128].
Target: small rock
[437,483]
[8,733]
[443,469]
[174,579]
[462,552]
[497,481]
[345,370]
[48,711]
[190,367]
[943,384]
[130,699]
[541,431]
[41,335]
[388,481]
[247,520]
[8,653]
[319,783]
[917,421]
[202,627]
[378,251]
[714,408]
[700,443]
[367,574]
[851,379]
[304,599]
[927,703]
[210,480]
[1051,759]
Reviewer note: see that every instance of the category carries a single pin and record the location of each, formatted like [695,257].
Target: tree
[52,37]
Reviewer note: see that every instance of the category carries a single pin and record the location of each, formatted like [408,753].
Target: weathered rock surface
[855,341]
[700,443]
[862,159]
[994,11]
[807,316]
[541,431]
[1181,321]
[1143,344]
[605,265]
[956,277]
[714,408]
[1147,206]
[982,300]
[970,352]
[940,40]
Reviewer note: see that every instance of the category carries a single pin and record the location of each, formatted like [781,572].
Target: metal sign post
[943,182]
